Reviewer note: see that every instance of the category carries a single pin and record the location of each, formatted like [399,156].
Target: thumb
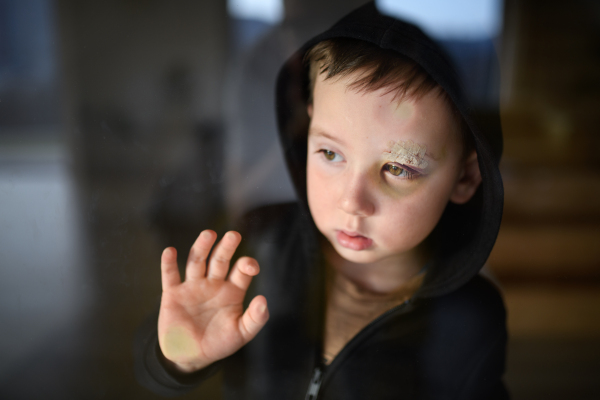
[254,318]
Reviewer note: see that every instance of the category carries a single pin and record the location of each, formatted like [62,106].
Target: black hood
[464,237]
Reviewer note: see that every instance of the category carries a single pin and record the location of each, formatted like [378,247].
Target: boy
[371,279]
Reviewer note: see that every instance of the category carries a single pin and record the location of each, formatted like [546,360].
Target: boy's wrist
[182,368]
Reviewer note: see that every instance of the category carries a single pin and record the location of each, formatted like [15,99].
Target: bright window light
[457,19]
[269,11]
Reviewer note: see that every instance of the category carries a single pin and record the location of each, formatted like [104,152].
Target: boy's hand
[202,320]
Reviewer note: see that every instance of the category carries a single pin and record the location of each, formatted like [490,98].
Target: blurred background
[130,125]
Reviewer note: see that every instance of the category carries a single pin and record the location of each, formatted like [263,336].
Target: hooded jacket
[447,342]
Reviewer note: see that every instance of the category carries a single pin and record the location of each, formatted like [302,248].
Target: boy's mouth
[353,241]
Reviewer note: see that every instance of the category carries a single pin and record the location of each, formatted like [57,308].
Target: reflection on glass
[129,126]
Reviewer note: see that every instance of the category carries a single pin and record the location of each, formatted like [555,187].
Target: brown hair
[378,68]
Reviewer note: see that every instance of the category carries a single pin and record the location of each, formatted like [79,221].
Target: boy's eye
[396,170]
[331,155]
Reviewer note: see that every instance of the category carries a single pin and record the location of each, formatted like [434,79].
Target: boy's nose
[355,198]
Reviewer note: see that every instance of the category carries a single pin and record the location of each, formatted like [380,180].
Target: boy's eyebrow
[320,132]
[427,153]
[408,152]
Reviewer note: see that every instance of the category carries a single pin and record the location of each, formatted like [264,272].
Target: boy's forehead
[399,105]
[424,119]
[351,82]
[403,109]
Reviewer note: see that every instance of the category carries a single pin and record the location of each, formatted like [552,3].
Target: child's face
[379,172]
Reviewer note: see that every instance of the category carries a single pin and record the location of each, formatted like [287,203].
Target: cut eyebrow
[427,154]
[319,132]
[389,157]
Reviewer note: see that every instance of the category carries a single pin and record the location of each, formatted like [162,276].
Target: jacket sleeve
[484,368]
[485,380]
[150,369]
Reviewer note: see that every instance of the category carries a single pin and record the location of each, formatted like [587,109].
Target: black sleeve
[485,369]
[150,369]
[485,380]
[465,351]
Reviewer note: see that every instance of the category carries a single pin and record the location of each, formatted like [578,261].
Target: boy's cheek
[321,174]
[399,190]
[320,193]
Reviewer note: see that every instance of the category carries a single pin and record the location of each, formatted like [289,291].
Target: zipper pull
[315,384]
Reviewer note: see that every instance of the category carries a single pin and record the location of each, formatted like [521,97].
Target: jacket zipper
[319,373]
[315,384]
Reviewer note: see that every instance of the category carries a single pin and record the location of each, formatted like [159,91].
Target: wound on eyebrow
[407,153]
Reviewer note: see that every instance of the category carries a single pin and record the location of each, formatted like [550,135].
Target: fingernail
[231,236]
[205,235]
[262,309]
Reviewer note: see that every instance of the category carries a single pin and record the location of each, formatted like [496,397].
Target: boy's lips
[353,241]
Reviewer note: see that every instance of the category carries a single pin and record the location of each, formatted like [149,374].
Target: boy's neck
[400,275]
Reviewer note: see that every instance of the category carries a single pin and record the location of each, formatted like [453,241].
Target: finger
[219,261]
[242,272]
[168,268]
[196,265]
[255,317]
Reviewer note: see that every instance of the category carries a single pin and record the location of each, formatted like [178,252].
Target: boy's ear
[469,180]
[309,109]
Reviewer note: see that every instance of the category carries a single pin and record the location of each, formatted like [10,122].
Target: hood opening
[465,235]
